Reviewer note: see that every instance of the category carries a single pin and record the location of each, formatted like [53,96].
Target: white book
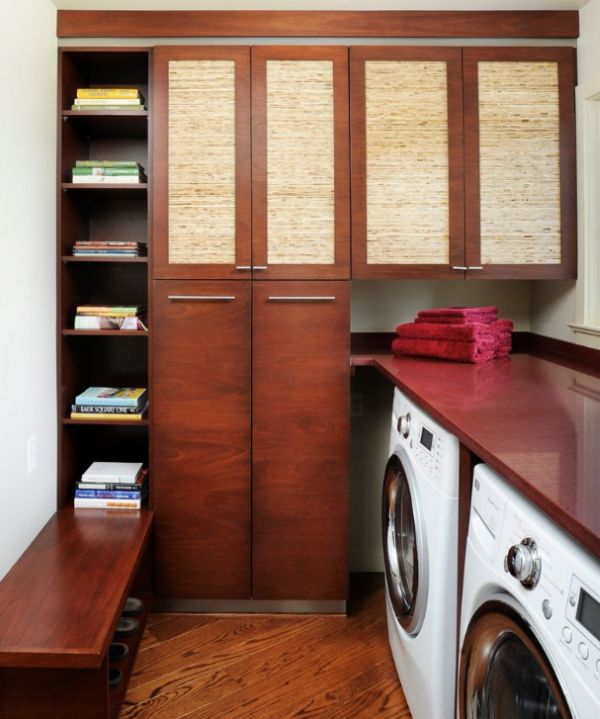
[108,179]
[115,472]
[97,503]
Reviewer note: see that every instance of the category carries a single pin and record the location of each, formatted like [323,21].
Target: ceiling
[319,4]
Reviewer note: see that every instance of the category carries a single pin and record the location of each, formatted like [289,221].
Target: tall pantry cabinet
[251,307]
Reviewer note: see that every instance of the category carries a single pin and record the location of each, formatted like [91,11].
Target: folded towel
[439,320]
[459,311]
[476,351]
[457,333]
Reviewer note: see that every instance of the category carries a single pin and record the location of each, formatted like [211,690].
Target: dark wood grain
[249,23]
[564,57]
[340,268]
[60,603]
[326,667]
[162,267]
[201,440]
[361,269]
[300,438]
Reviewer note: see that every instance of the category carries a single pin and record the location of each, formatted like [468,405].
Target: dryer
[420,529]
[530,618]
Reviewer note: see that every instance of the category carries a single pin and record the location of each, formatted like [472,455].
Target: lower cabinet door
[300,394]
[200,409]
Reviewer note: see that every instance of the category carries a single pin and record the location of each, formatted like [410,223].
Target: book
[104,322]
[98,409]
[107,179]
[108,171]
[112,472]
[109,494]
[112,311]
[121,397]
[105,163]
[108,108]
[109,416]
[109,92]
[120,101]
[99,503]
[140,484]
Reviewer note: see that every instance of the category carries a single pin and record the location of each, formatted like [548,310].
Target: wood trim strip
[259,23]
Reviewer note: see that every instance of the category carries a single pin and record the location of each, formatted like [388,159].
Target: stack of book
[124,172]
[110,403]
[112,485]
[101,317]
[108,98]
[108,248]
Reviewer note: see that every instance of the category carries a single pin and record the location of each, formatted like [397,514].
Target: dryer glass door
[404,546]
[505,671]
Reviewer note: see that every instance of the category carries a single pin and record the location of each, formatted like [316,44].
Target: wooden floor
[269,666]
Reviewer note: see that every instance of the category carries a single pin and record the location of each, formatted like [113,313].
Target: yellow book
[101,417]
[107,92]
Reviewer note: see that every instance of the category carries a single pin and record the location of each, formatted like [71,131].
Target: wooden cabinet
[520,162]
[201,438]
[431,199]
[297,172]
[407,162]
[300,439]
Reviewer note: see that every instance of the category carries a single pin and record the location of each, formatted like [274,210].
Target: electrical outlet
[356,405]
[31,454]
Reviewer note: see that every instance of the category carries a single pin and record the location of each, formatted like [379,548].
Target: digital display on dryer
[588,613]
[426,438]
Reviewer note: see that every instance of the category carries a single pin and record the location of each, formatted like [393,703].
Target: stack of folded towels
[464,334]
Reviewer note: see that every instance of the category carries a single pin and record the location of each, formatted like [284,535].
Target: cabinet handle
[260,267]
[474,268]
[460,268]
[303,298]
[202,298]
[243,267]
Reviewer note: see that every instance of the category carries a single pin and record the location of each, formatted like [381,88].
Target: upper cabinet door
[520,162]
[300,163]
[201,169]
[407,162]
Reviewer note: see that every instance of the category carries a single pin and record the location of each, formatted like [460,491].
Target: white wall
[553,304]
[27,274]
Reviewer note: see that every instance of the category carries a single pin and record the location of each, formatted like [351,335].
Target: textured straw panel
[407,162]
[202,161]
[519,162]
[300,162]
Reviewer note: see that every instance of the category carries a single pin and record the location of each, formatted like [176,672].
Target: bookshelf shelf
[105,333]
[107,422]
[126,260]
[103,124]
[105,187]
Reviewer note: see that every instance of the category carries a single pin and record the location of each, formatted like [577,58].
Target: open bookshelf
[98,213]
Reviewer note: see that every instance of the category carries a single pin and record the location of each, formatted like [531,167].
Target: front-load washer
[420,530]
[530,618]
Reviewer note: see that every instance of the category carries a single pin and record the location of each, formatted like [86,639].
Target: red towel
[461,312]
[456,333]
[438,320]
[477,351]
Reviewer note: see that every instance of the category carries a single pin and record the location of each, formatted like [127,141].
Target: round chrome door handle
[524,563]
[404,425]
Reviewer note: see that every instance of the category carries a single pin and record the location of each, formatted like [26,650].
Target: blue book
[112,396]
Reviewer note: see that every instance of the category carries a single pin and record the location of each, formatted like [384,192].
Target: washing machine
[420,529]
[530,618]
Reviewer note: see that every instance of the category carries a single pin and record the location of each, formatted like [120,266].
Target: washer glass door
[505,672]
[403,545]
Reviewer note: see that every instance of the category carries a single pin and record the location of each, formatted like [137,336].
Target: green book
[106,171]
[106,163]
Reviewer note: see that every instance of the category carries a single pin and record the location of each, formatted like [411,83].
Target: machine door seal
[404,543]
[504,670]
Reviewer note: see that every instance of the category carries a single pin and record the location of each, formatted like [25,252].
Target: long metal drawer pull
[474,268]
[259,267]
[460,267]
[203,298]
[301,298]
[243,267]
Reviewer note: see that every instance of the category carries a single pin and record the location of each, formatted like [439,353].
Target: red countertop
[536,422]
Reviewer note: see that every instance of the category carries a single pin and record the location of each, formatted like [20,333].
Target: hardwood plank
[259,23]
[271,667]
